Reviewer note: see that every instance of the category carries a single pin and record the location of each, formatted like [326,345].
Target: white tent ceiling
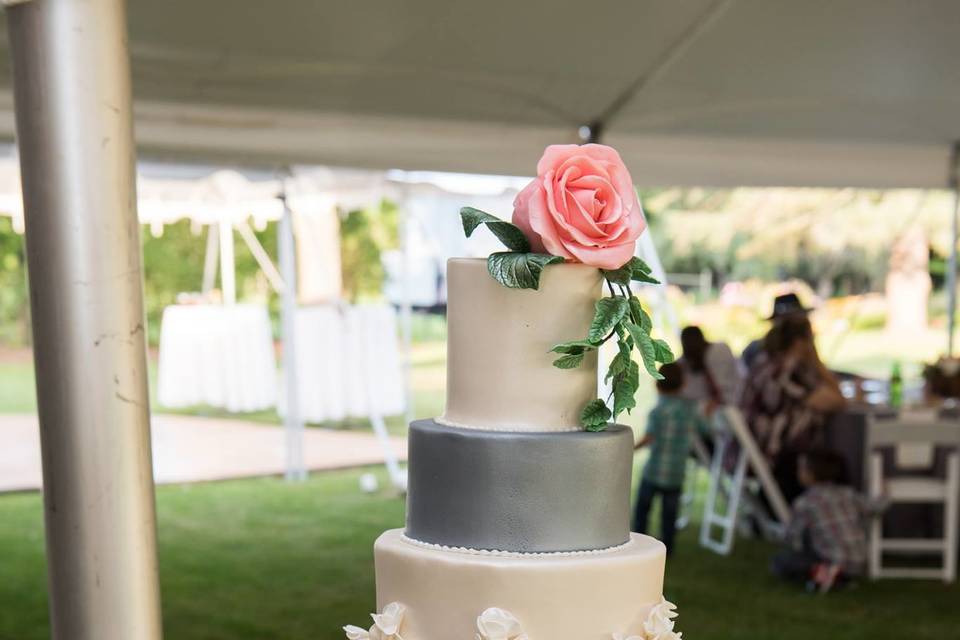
[818,92]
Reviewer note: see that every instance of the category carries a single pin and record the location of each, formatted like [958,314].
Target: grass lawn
[260,559]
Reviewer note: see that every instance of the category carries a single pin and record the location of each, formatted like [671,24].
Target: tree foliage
[837,240]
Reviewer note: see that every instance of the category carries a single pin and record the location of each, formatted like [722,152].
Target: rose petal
[577,203]
[521,214]
[542,223]
[603,257]
[554,156]
[559,215]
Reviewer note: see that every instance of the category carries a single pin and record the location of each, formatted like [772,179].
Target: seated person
[787,397]
[712,375]
[827,534]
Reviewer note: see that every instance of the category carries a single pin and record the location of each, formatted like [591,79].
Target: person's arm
[872,507]
[653,426]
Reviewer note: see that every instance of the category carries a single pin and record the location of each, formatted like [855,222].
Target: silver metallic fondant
[530,492]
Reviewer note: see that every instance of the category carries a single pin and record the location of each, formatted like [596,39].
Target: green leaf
[573,348]
[625,388]
[645,278]
[662,351]
[569,361]
[621,361]
[595,415]
[619,276]
[639,266]
[519,270]
[640,271]
[609,312]
[647,351]
[639,314]
[509,234]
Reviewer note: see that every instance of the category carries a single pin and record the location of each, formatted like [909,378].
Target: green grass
[252,559]
[261,559]
[17,391]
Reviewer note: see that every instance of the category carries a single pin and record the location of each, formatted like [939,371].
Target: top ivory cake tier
[500,372]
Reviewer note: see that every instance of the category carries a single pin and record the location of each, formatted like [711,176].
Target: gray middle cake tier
[519,491]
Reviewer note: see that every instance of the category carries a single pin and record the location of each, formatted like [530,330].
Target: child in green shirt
[670,428]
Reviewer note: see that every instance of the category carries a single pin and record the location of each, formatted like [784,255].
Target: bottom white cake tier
[578,596]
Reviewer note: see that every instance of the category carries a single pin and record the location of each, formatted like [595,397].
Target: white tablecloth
[217,355]
[348,363]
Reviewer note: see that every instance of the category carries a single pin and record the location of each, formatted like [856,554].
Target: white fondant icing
[500,373]
[573,597]
[499,624]
[510,554]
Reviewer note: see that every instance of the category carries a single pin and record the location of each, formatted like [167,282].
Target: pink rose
[581,206]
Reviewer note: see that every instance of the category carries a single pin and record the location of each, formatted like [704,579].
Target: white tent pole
[952,267]
[71,72]
[228,267]
[406,319]
[292,423]
[665,313]
[952,273]
[210,258]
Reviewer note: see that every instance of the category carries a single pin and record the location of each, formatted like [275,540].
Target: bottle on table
[896,387]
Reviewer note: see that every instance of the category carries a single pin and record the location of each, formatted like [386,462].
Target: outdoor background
[260,558]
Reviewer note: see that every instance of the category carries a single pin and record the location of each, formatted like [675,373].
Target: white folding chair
[691,484]
[943,491]
[731,427]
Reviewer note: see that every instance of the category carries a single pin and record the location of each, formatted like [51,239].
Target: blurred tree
[14,307]
[364,235]
[837,240]
[173,263]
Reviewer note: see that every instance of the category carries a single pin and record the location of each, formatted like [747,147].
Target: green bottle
[896,387]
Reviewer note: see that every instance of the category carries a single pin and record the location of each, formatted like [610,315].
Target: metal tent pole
[296,469]
[952,272]
[952,266]
[406,319]
[210,258]
[72,100]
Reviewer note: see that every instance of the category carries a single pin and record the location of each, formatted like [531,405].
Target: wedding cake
[519,494]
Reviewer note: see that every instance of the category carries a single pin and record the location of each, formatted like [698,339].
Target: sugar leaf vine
[620,316]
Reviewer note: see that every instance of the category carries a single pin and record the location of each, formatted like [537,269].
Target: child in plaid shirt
[669,433]
[827,532]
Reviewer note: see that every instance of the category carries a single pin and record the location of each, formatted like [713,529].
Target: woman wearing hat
[787,396]
[785,307]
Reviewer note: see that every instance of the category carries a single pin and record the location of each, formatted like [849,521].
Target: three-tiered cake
[517,519]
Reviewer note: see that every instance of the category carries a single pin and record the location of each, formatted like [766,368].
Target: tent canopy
[715,92]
